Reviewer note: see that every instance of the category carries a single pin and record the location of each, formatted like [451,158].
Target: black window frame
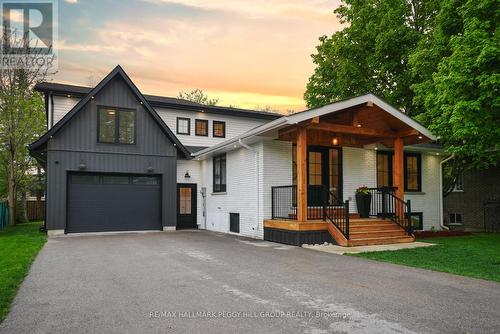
[219,123]
[419,171]
[222,161]
[455,215]
[188,133]
[420,215]
[196,121]
[405,172]
[117,125]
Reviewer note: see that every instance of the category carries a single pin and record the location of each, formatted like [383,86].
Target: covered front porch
[317,207]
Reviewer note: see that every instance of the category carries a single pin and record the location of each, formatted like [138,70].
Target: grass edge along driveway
[19,246]
[475,256]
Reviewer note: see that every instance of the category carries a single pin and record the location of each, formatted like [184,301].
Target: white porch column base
[169,228]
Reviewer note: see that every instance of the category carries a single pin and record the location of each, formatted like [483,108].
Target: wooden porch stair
[370,231]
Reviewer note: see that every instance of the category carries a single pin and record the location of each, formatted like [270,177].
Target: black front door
[186,206]
[324,170]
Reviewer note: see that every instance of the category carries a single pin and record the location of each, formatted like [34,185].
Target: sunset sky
[247,53]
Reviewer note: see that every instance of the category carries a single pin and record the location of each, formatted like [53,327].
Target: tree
[461,98]
[371,53]
[22,120]
[198,96]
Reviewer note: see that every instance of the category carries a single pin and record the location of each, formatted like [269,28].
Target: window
[459,183]
[145,180]
[219,184]
[84,179]
[219,129]
[413,172]
[183,126]
[115,179]
[201,127]
[455,218]
[384,169]
[116,126]
[417,220]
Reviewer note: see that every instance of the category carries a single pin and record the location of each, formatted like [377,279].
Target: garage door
[105,202]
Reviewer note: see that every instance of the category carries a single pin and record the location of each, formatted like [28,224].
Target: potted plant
[363,201]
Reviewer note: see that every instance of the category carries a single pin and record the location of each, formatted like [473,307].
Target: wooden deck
[368,231]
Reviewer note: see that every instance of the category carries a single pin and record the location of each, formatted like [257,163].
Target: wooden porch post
[398,163]
[302,174]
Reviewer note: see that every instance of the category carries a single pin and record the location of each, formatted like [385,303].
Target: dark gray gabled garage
[113,202]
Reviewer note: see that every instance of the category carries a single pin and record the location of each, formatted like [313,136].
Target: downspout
[441,197]
[256,227]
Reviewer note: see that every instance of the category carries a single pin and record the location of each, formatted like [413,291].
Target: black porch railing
[385,204]
[284,202]
[322,205]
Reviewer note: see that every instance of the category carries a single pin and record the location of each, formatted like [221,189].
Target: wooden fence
[35,210]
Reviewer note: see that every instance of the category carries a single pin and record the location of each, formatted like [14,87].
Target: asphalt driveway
[201,282]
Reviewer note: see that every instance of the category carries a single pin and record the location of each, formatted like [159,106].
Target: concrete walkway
[201,282]
[334,249]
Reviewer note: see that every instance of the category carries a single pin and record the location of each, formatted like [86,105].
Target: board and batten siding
[76,144]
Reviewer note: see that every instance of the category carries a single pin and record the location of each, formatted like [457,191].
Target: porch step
[376,234]
[370,227]
[381,241]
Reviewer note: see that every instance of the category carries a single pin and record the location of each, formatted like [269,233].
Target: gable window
[219,181]
[116,126]
[183,126]
[413,172]
[201,127]
[219,129]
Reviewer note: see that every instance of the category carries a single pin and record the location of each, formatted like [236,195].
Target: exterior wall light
[150,169]
[82,166]
[187,176]
[335,141]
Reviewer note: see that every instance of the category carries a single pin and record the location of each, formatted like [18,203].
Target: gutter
[257,162]
[441,197]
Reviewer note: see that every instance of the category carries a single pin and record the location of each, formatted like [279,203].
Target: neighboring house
[117,160]
[476,193]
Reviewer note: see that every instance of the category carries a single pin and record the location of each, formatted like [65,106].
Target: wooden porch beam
[408,133]
[302,174]
[354,130]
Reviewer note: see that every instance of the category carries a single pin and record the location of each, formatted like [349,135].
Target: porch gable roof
[294,119]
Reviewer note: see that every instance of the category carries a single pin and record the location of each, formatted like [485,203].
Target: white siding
[235,125]
[194,169]
[241,195]
[359,168]
[427,201]
[62,105]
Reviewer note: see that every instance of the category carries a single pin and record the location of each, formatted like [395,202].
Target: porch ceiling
[356,126]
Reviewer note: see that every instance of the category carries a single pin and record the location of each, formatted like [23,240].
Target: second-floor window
[183,126]
[116,126]
[219,129]
[201,127]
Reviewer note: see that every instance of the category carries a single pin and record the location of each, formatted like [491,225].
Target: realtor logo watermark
[29,34]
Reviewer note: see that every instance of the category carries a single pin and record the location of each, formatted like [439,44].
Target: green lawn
[19,246]
[474,256]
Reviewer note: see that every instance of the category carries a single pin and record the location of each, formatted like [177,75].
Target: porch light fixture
[358,125]
[335,141]
[187,176]
[420,137]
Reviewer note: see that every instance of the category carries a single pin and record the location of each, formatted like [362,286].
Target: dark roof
[159,101]
[194,149]
[117,71]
